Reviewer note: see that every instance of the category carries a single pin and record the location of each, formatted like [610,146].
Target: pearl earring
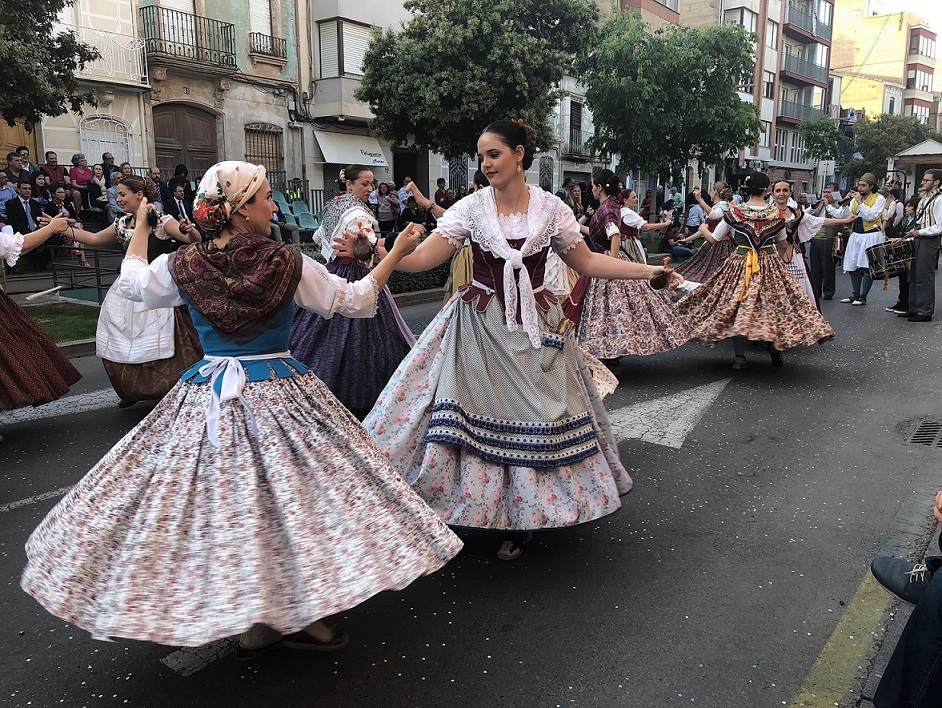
[518,167]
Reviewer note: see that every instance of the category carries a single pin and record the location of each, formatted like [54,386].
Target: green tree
[37,66]
[822,138]
[880,139]
[457,66]
[661,99]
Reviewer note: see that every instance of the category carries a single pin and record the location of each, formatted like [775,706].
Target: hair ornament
[519,121]
[343,176]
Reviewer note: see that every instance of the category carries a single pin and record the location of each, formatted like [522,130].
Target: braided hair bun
[513,133]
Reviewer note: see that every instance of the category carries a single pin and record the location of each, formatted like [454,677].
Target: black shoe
[905,314]
[898,309]
[777,360]
[827,297]
[905,579]
[920,318]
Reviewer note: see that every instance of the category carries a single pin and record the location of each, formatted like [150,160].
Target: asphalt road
[760,497]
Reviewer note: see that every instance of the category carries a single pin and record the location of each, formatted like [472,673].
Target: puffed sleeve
[148,283]
[453,224]
[721,230]
[631,218]
[327,294]
[160,230]
[11,245]
[568,234]
[809,226]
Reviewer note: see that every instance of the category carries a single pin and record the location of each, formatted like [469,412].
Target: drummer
[925,237]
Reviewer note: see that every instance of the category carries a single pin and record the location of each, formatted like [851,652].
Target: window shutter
[330,57]
[356,39]
[260,17]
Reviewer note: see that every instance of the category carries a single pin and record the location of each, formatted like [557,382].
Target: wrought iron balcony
[804,68]
[798,111]
[269,46]
[180,35]
[575,146]
[122,56]
[795,15]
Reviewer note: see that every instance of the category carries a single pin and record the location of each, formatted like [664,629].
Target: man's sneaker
[512,548]
[898,309]
[905,579]
[847,299]
[858,303]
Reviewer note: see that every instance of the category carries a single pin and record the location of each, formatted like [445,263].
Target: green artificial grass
[64,322]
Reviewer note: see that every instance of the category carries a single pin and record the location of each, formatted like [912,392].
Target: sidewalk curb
[78,348]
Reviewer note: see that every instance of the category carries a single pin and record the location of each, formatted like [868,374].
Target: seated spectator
[126,169]
[79,175]
[566,188]
[97,191]
[6,194]
[440,193]
[41,193]
[913,676]
[462,192]
[283,230]
[695,217]
[676,246]
[29,167]
[161,188]
[56,173]
[413,214]
[61,206]
[180,172]
[114,209]
[14,169]
[449,200]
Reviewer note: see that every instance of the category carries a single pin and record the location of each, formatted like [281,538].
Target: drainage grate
[927,433]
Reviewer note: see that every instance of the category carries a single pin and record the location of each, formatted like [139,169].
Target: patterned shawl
[241,288]
[758,224]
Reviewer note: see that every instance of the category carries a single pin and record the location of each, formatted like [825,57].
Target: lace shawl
[337,214]
[542,224]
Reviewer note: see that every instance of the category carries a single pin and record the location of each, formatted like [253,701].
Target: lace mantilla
[489,230]
[124,228]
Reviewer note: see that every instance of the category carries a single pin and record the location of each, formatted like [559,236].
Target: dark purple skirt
[355,357]
[707,260]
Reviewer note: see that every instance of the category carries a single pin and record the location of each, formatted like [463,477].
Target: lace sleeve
[453,224]
[11,246]
[567,235]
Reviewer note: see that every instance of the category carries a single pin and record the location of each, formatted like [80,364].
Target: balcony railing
[269,46]
[803,67]
[575,145]
[796,16]
[798,111]
[122,56]
[185,36]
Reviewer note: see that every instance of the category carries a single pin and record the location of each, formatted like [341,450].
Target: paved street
[735,575]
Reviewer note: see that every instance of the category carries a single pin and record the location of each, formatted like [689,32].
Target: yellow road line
[840,661]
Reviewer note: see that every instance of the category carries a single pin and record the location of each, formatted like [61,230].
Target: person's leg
[830,272]
[866,282]
[682,252]
[855,283]
[913,676]
[816,265]
[293,234]
[739,353]
[922,277]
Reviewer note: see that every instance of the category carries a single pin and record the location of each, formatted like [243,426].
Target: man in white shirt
[925,248]
[821,250]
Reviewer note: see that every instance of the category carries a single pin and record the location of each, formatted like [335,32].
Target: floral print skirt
[624,317]
[775,308]
[471,397]
[708,259]
[171,540]
[32,369]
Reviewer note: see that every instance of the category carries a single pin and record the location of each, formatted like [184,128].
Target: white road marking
[70,405]
[667,420]
[32,500]
[188,661]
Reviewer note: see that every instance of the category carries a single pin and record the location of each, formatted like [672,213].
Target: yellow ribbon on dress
[752,266]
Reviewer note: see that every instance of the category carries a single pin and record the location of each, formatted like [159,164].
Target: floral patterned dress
[752,294]
[32,369]
[624,317]
[710,256]
[494,417]
[249,494]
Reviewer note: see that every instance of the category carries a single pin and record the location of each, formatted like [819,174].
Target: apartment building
[888,57]
[791,78]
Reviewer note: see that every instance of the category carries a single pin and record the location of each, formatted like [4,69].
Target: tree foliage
[661,99]
[456,66]
[822,138]
[880,139]
[37,66]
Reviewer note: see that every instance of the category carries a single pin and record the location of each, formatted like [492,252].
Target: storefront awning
[347,149]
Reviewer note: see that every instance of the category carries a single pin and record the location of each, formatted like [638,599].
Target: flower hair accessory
[343,175]
[519,121]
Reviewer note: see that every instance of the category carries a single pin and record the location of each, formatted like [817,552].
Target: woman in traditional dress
[752,296]
[462,266]
[622,317]
[867,206]
[631,225]
[249,500]
[32,369]
[354,356]
[712,254]
[143,350]
[800,228]
[494,417]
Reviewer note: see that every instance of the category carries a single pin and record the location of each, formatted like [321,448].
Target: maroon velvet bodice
[489,272]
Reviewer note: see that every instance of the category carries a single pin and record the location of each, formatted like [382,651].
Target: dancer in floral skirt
[712,254]
[752,296]
[249,500]
[494,417]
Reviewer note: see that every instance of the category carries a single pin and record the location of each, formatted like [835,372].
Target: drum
[890,258]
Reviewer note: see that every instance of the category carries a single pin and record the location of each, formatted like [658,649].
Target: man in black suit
[25,215]
[177,206]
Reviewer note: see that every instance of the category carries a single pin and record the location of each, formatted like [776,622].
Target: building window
[748,87]
[921,112]
[671,4]
[920,44]
[744,17]
[260,17]
[766,134]
[918,79]
[768,85]
[101,134]
[343,45]
[892,107]
[265,145]
[781,144]
[771,34]
[797,153]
